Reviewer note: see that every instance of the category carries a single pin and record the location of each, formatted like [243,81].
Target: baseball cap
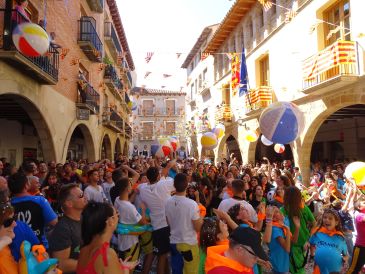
[249,237]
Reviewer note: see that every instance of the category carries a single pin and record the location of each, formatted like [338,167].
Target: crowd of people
[187,216]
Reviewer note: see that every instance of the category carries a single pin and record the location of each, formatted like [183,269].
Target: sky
[166,28]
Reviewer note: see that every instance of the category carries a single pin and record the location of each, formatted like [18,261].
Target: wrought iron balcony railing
[89,40]
[112,120]
[111,37]
[43,68]
[111,77]
[339,59]
[87,97]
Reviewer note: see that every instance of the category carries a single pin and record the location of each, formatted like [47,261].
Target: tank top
[89,268]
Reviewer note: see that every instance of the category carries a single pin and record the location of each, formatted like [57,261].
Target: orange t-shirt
[7,263]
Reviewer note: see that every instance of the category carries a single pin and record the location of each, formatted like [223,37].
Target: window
[337,15]
[264,71]
[200,80]
[84,73]
[147,107]
[260,19]
[147,130]
[170,128]
[170,106]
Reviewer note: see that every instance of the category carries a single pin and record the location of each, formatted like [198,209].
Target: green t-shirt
[306,217]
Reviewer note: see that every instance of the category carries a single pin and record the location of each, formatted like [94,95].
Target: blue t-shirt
[22,232]
[279,258]
[36,212]
[328,251]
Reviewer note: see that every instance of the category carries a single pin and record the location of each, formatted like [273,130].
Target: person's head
[180,182]
[238,186]
[98,219]
[3,183]
[153,174]
[229,175]
[275,173]
[335,174]
[117,174]
[18,183]
[239,213]
[29,167]
[359,205]
[235,171]
[296,170]
[212,231]
[331,220]
[293,201]
[205,184]
[34,184]
[23,3]
[124,185]
[283,180]
[93,176]
[200,167]
[254,181]
[71,198]
[277,216]
[257,192]
[280,190]
[43,167]
[245,246]
[7,220]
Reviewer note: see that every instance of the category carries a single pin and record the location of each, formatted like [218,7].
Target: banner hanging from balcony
[243,75]
[235,74]
[338,54]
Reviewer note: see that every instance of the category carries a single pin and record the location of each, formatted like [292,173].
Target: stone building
[71,103]
[157,113]
[309,52]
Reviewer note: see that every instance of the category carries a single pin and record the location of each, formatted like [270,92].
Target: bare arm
[66,264]
[197,224]
[135,174]
[224,216]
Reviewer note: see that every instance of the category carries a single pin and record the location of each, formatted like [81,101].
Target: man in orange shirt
[239,256]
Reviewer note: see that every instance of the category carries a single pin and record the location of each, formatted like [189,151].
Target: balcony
[96,5]
[337,66]
[167,112]
[112,120]
[127,130]
[89,40]
[126,75]
[111,79]
[111,39]
[223,114]
[259,98]
[148,136]
[146,111]
[87,97]
[43,69]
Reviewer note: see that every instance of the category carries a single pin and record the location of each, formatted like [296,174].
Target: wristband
[268,220]
[124,267]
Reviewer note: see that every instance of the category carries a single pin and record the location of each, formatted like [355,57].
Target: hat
[249,237]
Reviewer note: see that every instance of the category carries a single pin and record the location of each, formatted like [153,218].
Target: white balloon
[266,141]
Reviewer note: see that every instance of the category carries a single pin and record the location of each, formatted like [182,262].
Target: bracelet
[124,267]
[268,220]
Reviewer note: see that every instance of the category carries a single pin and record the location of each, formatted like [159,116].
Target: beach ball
[165,146]
[281,122]
[356,170]
[130,104]
[209,140]
[31,39]
[219,130]
[160,153]
[279,148]
[266,141]
[154,149]
[174,143]
[251,136]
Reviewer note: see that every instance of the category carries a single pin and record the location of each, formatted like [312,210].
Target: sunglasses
[9,222]
[249,251]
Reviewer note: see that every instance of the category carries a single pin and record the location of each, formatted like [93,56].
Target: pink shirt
[360,228]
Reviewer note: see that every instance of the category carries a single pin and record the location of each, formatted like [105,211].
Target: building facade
[156,114]
[309,52]
[71,103]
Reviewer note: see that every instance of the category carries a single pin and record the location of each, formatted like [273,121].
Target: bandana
[280,225]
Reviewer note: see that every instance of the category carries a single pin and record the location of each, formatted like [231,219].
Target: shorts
[145,241]
[161,240]
[184,258]
[133,252]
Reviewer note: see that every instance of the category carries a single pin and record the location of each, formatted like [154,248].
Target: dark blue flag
[243,87]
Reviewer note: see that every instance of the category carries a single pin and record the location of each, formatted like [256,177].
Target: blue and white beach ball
[281,122]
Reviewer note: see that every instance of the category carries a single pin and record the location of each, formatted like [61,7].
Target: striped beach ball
[266,141]
[209,140]
[281,122]
[279,148]
[31,39]
[356,170]
[219,130]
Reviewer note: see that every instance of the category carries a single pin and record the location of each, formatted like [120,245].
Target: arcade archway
[269,152]
[232,146]
[106,148]
[81,145]
[25,133]
[117,148]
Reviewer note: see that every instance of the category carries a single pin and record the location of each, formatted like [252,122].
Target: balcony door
[170,128]
[147,107]
[147,130]
[170,106]
[339,18]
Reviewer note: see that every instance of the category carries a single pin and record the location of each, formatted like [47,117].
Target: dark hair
[49,174]
[65,193]
[220,184]
[123,184]
[180,182]
[209,232]
[117,174]
[238,186]
[329,175]
[233,212]
[285,180]
[93,220]
[17,183]
[19,2]
[293,201]
[27,166]
[152,174]
[91,171]
[334,213]
[205,181]
[254,192]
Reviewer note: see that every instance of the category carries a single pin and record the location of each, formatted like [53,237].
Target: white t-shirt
[155,197]
[226,204]
[180,212]
[106,187]
[95,194]
[129,215]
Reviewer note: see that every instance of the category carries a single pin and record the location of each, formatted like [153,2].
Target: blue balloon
[154,148]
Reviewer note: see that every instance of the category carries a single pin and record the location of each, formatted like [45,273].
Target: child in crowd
[328,245]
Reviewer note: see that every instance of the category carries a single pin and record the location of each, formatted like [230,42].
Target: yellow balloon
[356,170]
[251,136]
[209,140]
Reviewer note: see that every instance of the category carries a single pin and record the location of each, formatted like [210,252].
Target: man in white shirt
[94,192]
[238,189]
[184,220]
[154,195]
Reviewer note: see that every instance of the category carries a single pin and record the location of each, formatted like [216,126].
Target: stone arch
[17,107]
[88,140]
[328,106]
[106,148]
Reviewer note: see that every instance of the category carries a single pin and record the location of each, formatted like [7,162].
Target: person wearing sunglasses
[239,256]
[7,223]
